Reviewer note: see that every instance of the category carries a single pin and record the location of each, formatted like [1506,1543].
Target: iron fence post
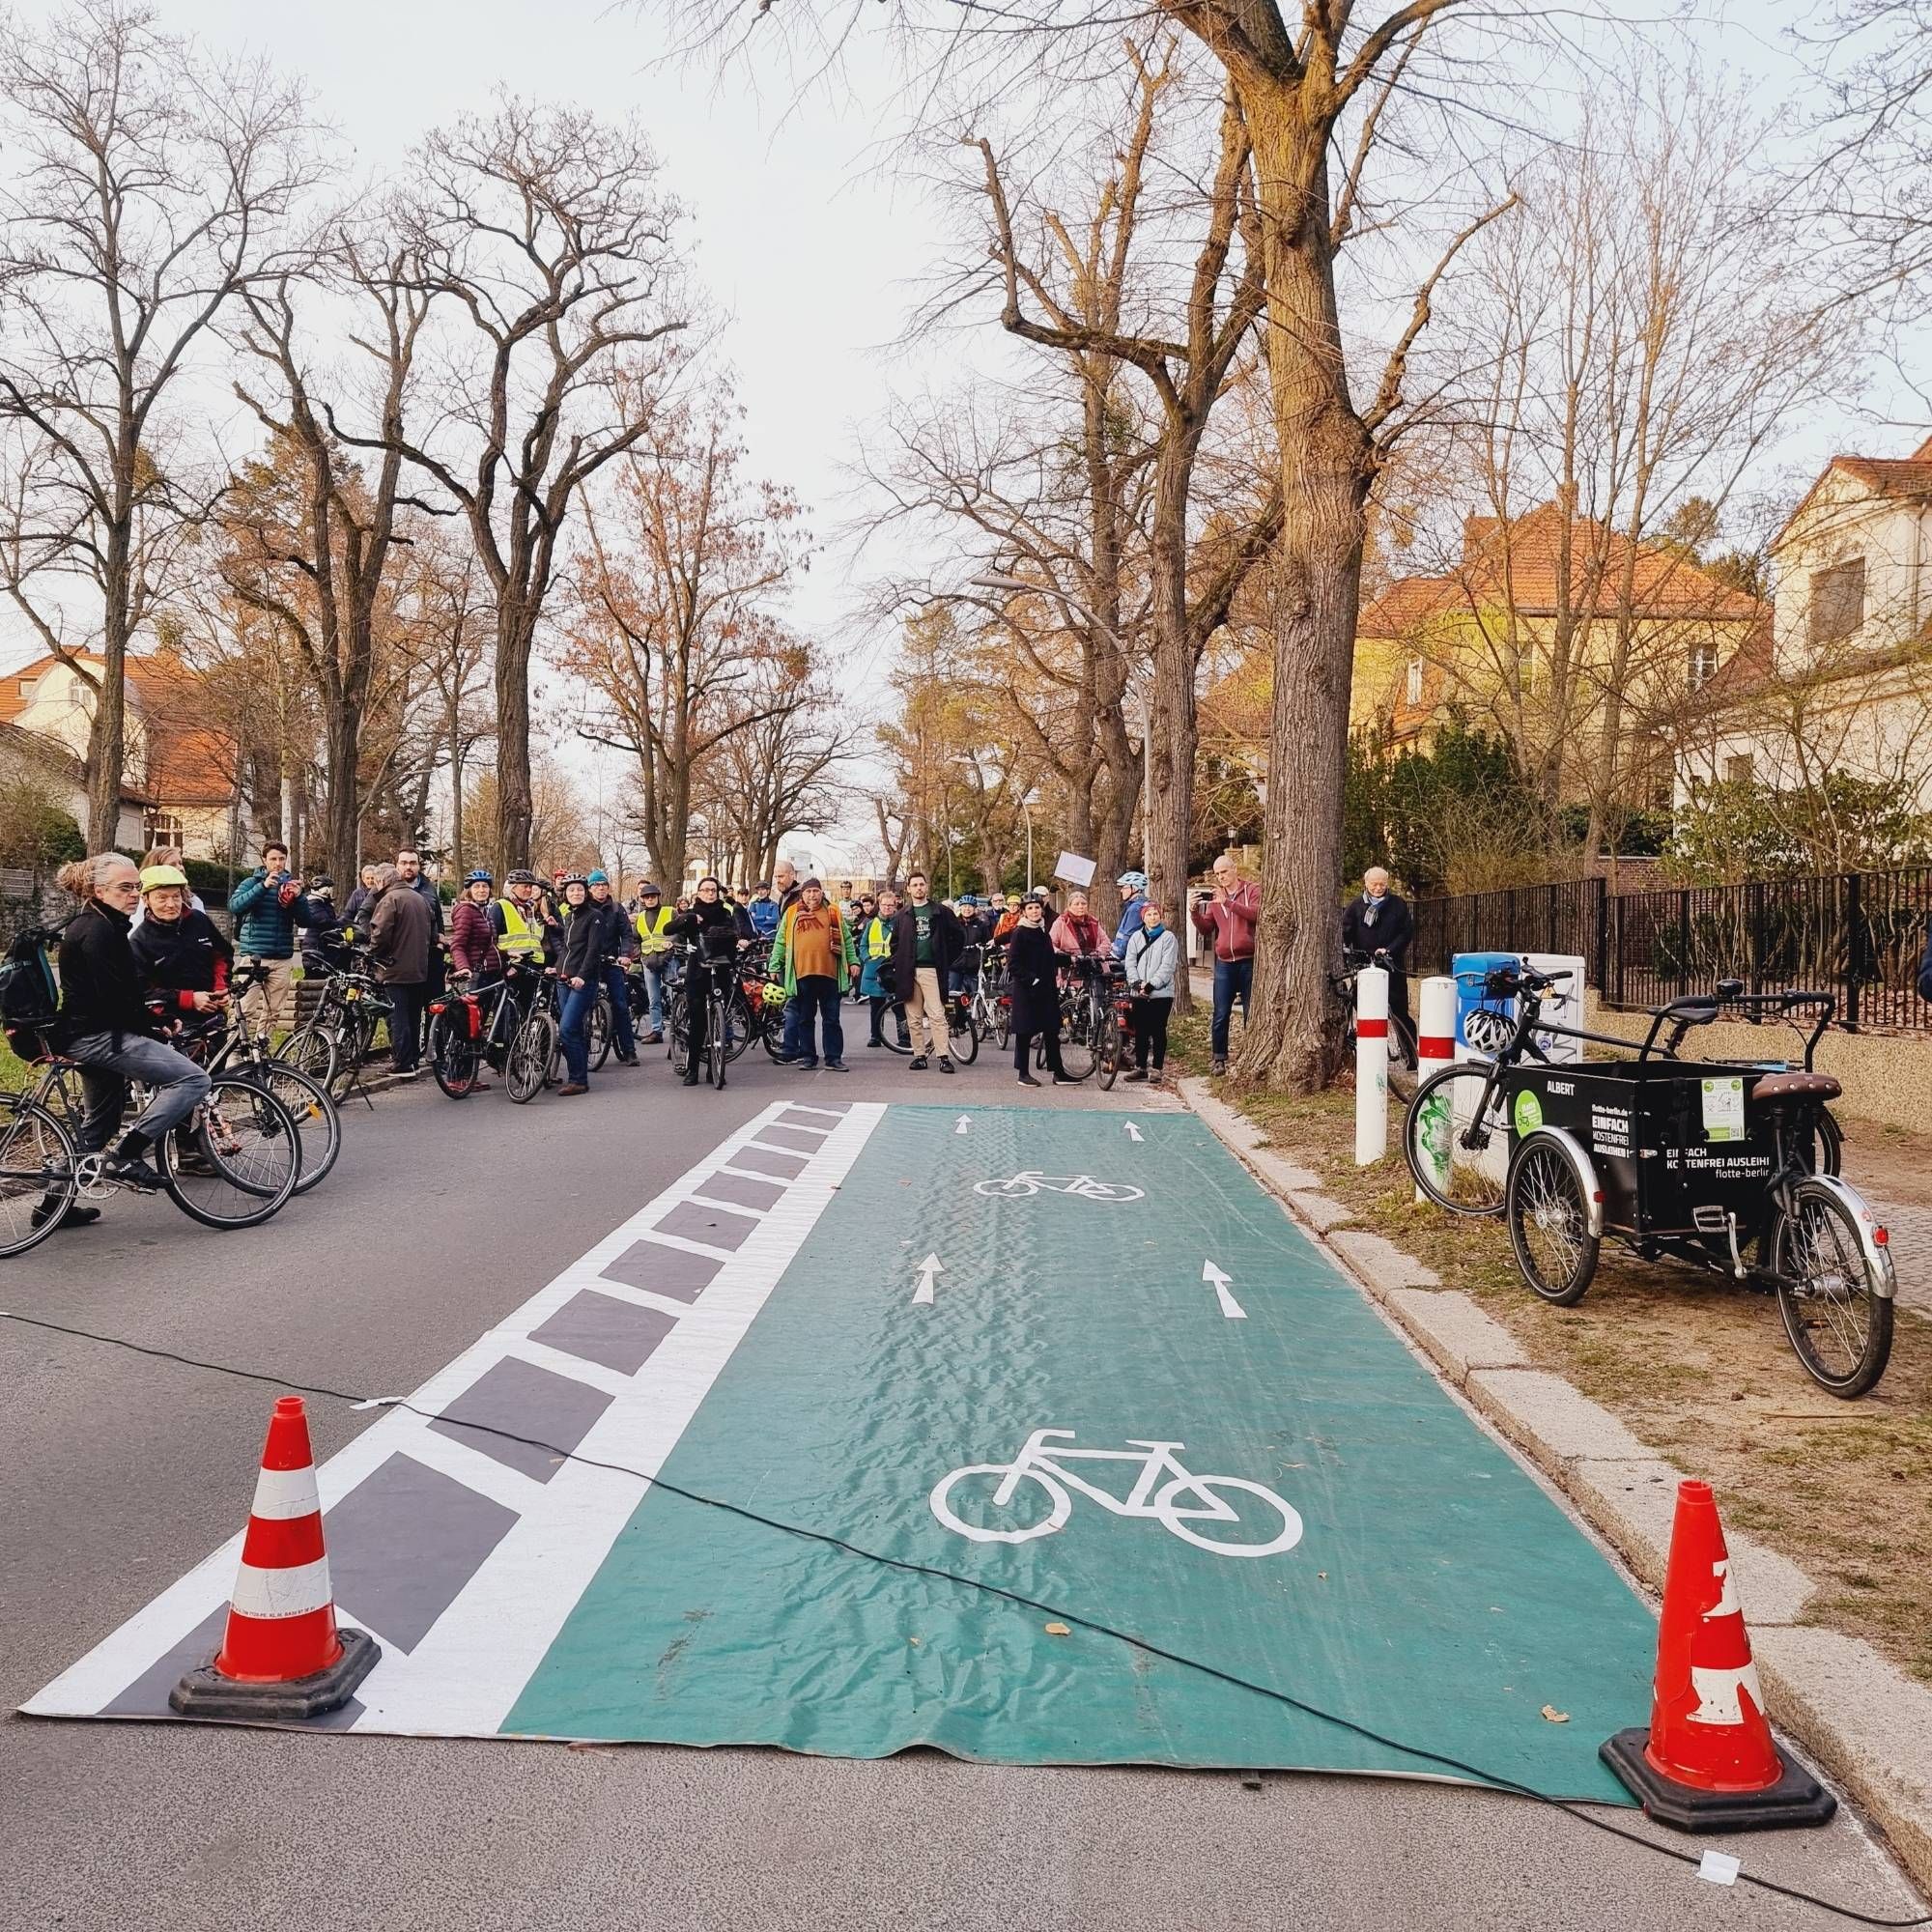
[1854,908]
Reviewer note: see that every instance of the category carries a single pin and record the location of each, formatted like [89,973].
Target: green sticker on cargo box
[1724,1108]
[1529,1112]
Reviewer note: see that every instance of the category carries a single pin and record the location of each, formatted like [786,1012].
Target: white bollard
[1371,1065]
[1435,1049]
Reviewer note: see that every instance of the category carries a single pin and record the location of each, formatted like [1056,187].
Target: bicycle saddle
[1798,1086]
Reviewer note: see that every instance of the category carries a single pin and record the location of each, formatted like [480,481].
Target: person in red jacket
[472,936]
[1227,915]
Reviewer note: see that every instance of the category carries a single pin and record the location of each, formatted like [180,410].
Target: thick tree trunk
[516,628]
[342,833]
[1170,807]
[1326,464]
[107,736]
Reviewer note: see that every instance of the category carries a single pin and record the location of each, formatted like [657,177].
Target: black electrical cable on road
[1572,1808]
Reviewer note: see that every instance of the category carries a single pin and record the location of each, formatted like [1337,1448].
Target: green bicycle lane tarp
[1437,1596]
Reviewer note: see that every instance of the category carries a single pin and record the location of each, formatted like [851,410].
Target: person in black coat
[1380,921]
[1032,970]
[718,930]
[928,940]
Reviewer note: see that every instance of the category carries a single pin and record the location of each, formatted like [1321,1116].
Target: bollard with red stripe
[1435,1049]
[282,1655]
[1708,1762]
[1371,1065]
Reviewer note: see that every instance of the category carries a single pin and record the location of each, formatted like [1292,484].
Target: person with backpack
[105,1025]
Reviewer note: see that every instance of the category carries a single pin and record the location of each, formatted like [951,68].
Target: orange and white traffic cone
[283,1655]
[1708,1761]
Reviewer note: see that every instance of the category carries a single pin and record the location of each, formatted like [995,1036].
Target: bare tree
[320,571]
[1316,86]
[544,230]
[147,180]
[674,627]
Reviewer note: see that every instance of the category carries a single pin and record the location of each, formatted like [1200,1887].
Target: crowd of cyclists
[563,963]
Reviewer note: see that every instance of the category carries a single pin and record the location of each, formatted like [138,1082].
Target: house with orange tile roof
[182,777]
[1841,676]
[1524,635]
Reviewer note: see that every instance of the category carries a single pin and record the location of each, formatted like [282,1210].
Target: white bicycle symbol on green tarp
[1025,1185]
[1044,1467]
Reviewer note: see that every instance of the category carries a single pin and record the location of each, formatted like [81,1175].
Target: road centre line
[464,1675]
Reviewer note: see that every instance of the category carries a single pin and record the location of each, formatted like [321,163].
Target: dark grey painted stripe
[601,1329]
[405,1540]
[738,1187]
[800,1117]
[792,1139]
[694,1221]
[516,1399]
[768,1160]
[840,1107]
[664,1270]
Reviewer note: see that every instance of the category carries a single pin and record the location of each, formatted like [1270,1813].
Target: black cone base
[1795,1798]
[205,1693]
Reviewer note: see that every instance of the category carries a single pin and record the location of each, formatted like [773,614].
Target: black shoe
[129,1170]
[837,1066]
[946,1063]
[1027,1080]
[917,1065]
[875,1043]
[1139,1073]
[627,1060]
[690,1078]
[76,1215]
[805,1066]
[1064,1080]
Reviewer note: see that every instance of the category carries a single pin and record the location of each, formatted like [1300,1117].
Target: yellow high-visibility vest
[652,938]
[521,939]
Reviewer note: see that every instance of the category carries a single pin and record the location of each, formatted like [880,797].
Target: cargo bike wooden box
[1727,1166]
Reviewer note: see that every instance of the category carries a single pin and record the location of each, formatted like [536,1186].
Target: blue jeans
[818,997]
[621,1012]
[654,985]
[579,1003]
[177,1086]
[1231,976]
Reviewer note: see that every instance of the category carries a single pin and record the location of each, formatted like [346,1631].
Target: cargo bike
[1728,1166]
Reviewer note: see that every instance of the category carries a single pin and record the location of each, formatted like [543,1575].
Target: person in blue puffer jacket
[1135,886]
[268,905]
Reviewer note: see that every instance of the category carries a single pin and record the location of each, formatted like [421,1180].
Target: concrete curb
[1859,1717]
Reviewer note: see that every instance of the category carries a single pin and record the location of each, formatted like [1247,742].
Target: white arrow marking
[1229,1307]
[927,1269]
[964,1123]
[1134,1132]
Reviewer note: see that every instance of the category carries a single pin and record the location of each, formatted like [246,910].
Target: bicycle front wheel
[1838,1322]
[236,1160]
[1107,1053]
[602,1029]
[961,1036]
[37,1177]
[318,1123]
[1456,1138]
[718,1045]
[312,1050]
[743,1024]
[1080,1043]
[893,1029]
[530,1048]
[1267,1528]
[1550,1223]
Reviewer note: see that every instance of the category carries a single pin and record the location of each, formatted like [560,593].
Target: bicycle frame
[1159,1460]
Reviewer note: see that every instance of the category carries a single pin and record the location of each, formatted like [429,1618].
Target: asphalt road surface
[119,1472]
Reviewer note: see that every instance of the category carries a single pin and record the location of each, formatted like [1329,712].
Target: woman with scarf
[1153,957]
[1033,977]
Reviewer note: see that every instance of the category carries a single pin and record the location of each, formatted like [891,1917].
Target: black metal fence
[1859,935]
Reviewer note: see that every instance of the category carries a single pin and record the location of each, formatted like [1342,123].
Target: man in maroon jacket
[1228,916]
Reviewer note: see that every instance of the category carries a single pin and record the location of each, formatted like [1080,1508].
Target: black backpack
[29,992]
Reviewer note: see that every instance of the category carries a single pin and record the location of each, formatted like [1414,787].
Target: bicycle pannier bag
[29,993]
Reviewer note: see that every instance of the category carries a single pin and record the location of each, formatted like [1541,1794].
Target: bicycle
[232,1163]
[1025,1185]
[340,1035]
[713,980]
[1403,1062]
[227,1044]
[1046,1469]
[1089,1019]
[462,1041]
[535,1052]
